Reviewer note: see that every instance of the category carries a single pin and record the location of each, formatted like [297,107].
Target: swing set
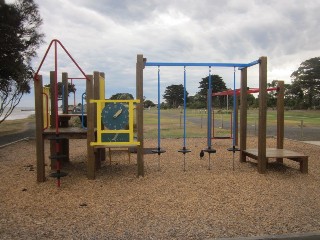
[209,149]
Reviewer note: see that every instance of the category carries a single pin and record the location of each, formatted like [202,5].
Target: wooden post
[53,105]
[262,131]
[96,96]
[39,129]
[280,117]
[243,113]
[139,95]
[102,155]
[65,94]
[65,142]
[52,118]
[91,168]
[237,121]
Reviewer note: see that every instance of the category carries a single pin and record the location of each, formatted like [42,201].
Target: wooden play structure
[110,124]
[53,126]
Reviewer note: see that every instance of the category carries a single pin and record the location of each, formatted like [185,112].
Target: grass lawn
[14,126]
[172,122]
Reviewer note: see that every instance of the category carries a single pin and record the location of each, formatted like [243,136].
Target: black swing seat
[233,149]
[210,150]
[222,137]
[184,150]
[158,151]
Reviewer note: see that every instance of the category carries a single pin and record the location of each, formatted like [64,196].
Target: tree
[307,78]
[71,88]
[217,84]
[174,95]
[122,96]
[272,95]
[20,37]
[251,100]
[293,96]
[148,103]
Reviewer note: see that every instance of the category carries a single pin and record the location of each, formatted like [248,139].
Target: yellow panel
[100,104]
[102,87]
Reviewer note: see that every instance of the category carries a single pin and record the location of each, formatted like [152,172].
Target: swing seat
[223,137]
[233,149]
[184,150]
[158,151]
[210,150]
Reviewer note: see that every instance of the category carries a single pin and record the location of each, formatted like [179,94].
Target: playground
[156,187]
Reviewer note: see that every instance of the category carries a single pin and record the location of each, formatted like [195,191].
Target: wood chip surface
[168,203]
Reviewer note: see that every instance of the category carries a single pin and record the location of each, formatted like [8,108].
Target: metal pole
[209,110]
[184,107]
[158,108]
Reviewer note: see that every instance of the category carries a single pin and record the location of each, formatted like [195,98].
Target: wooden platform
[280,154]
[69,133]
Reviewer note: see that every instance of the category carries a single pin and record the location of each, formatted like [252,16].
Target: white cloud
[107,35]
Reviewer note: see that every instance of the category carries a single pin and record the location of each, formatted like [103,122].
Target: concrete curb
[302,236]
[20,140]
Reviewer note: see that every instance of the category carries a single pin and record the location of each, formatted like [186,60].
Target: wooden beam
[103,96]
[39,129]
[237,122]
[52,118]
[91,168]
[139,115]
[243,113]
[280,114]
[53,106]
[65,93]
[96,96]
[280,117]
[262,130]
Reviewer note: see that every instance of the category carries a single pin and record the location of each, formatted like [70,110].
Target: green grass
[311,118]
[171,125]
[172,121]
[14,126]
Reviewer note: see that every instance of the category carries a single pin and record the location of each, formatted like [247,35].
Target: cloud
[107,35]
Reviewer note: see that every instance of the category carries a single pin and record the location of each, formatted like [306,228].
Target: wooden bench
[279,154]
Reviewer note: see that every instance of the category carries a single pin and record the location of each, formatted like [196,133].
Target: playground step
[57,138]
[58,174]
[58,157]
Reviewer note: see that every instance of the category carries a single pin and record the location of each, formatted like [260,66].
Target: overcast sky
[107,36]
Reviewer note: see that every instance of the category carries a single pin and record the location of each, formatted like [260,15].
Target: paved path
[28,133]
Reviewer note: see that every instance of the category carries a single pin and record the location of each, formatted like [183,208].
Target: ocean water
[21,113]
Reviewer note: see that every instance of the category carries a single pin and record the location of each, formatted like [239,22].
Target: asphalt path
[29,132]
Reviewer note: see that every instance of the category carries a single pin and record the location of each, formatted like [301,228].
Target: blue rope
[209,99]
[234,109]
[184,107]
[158,107]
